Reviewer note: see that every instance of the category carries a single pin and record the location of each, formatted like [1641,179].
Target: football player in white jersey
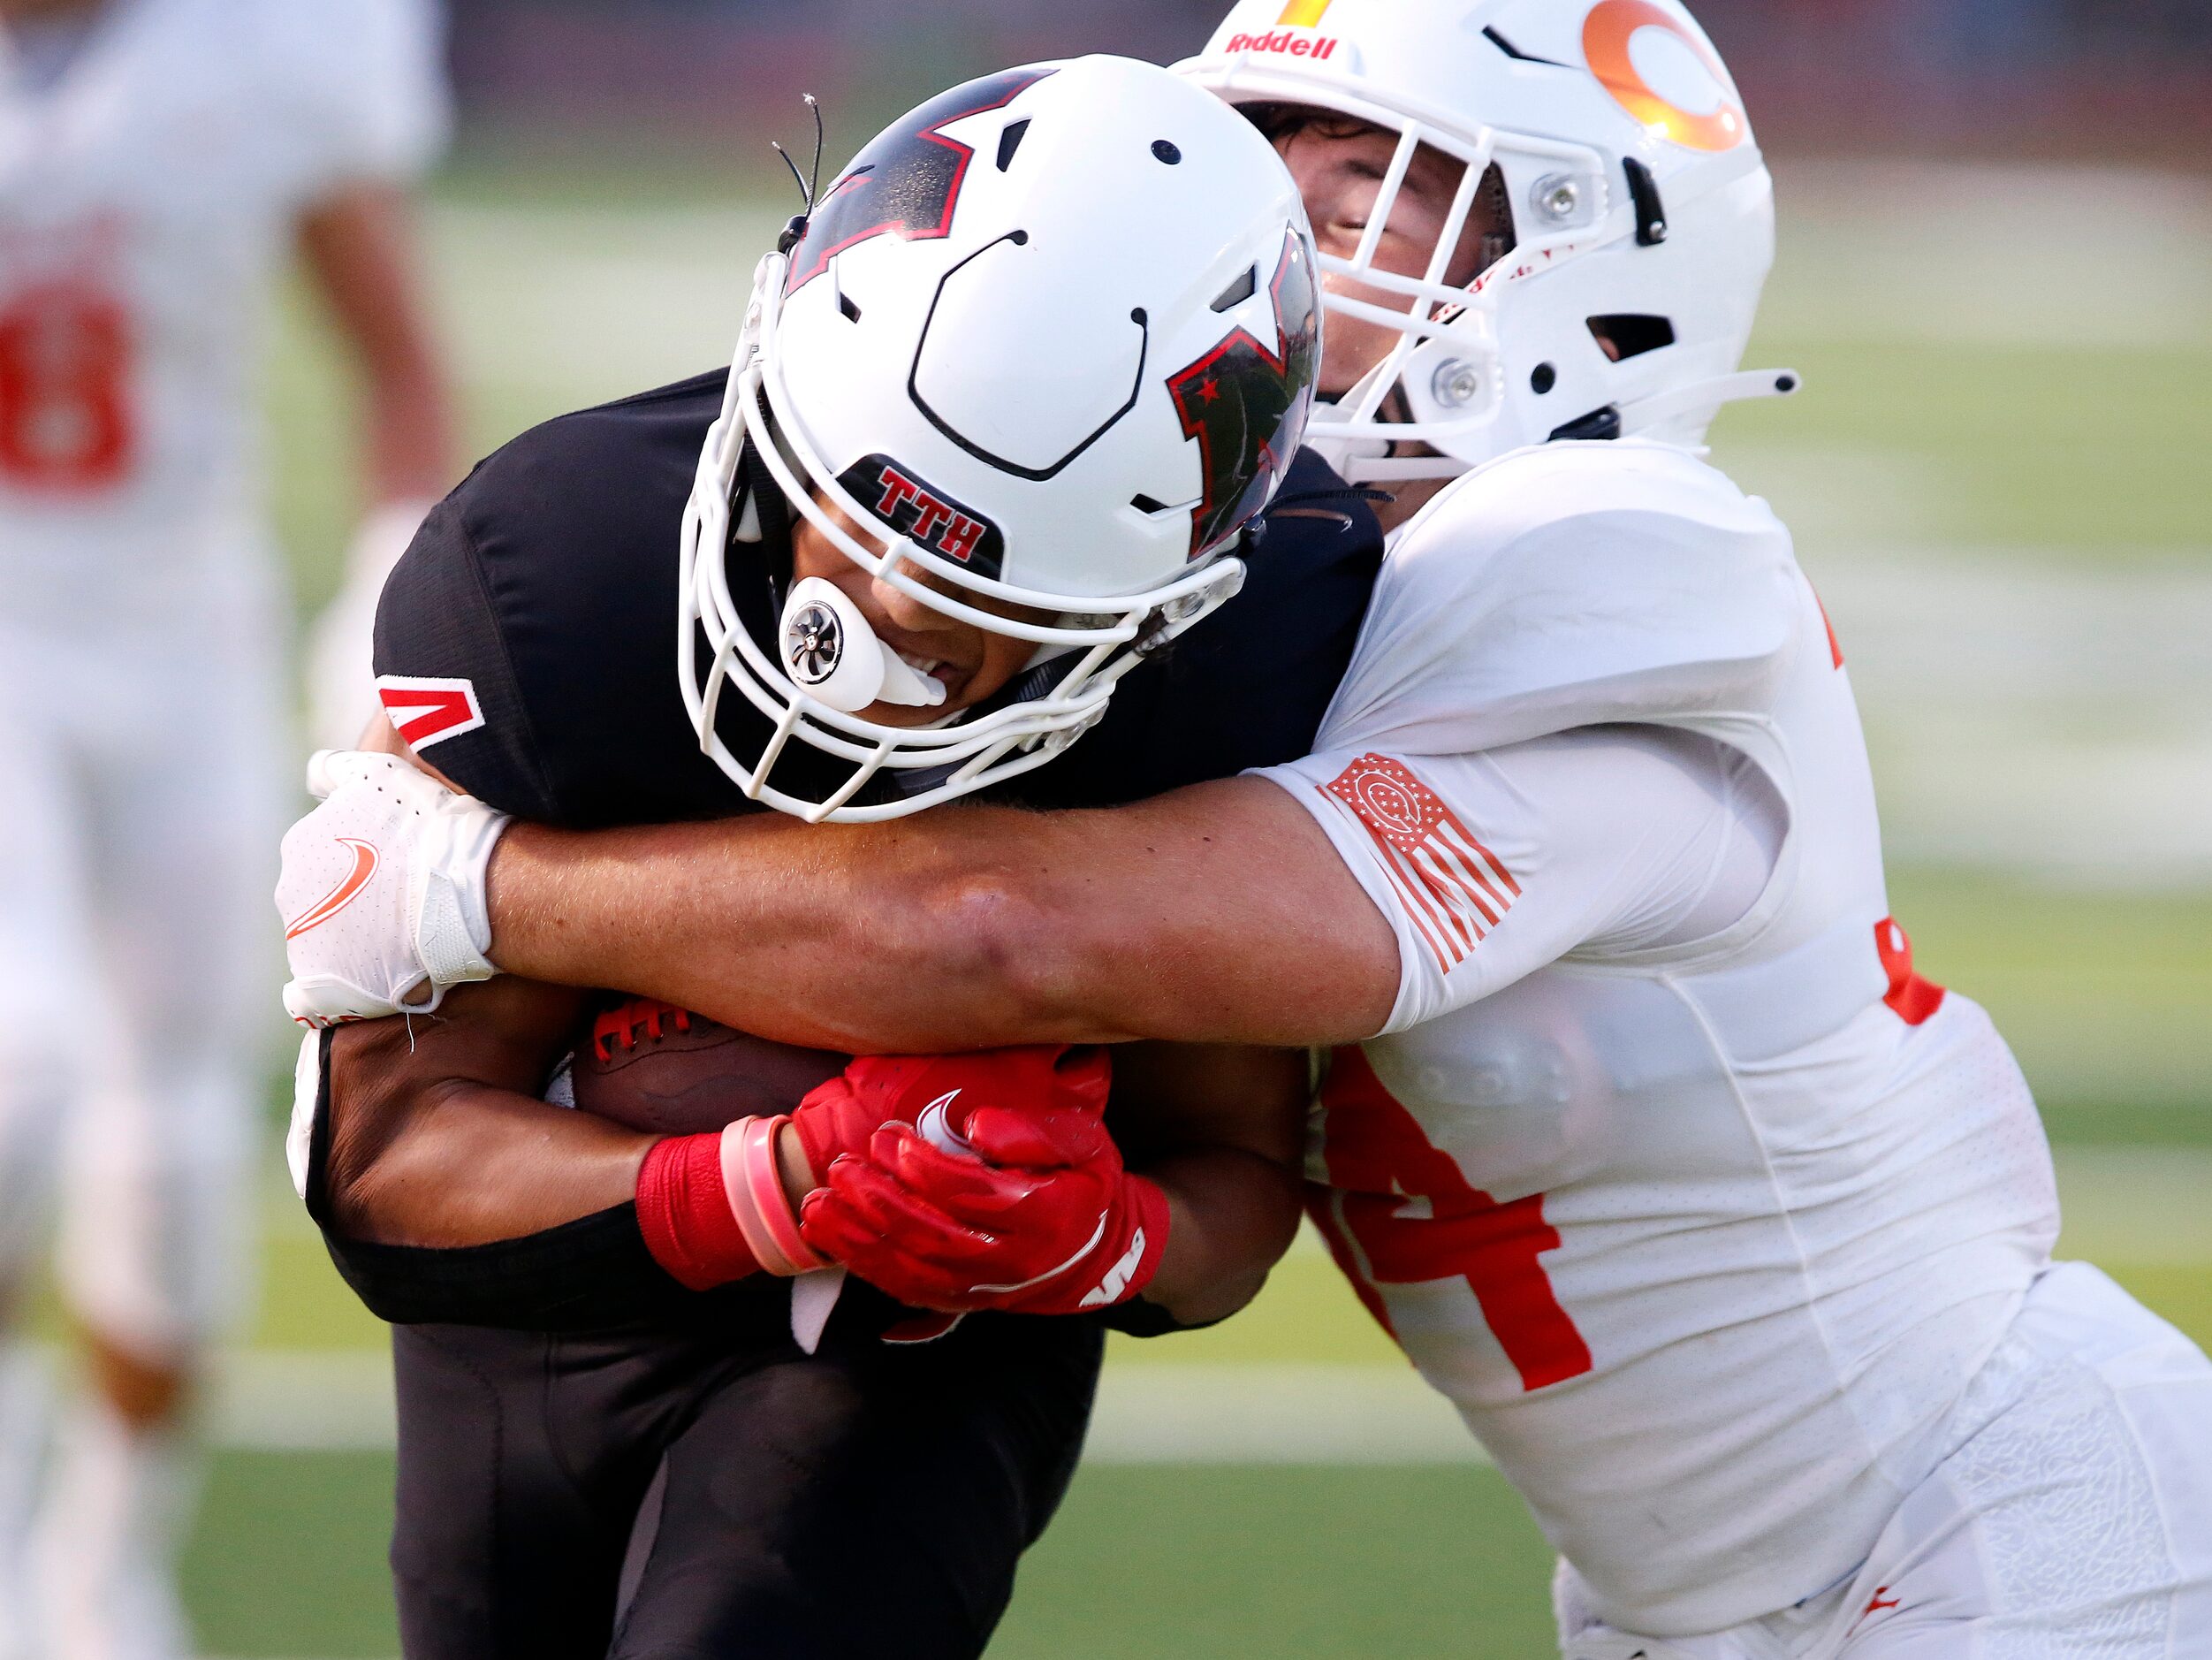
[159,159]
[1727,1233]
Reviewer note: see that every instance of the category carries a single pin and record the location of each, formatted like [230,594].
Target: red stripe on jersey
[1454,889]
[1911,998]
[425,710]
[1835,646]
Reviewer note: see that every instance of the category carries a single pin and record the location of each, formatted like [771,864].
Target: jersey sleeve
[1492,866]
[444,674]
[357,92]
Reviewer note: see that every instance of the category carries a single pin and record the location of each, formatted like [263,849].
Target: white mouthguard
[834,657]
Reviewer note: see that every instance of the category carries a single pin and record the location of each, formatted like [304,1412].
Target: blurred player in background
[159,160]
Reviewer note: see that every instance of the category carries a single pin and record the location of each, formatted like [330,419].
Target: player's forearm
[1215,914]
[436,1138]
[359,248]
[1232,1215]
[809,934]
[480,1165]
[407,443]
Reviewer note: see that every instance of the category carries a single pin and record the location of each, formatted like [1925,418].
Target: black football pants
[711,1490]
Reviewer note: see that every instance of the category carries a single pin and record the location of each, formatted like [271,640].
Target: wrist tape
[756,1197]
[685,1214]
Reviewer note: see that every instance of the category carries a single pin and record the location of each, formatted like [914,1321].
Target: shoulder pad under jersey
[1571,585]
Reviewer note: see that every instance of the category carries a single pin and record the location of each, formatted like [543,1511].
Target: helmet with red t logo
[1033,359]
[1632,219]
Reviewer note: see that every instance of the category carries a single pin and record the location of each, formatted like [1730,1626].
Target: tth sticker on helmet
[925,515]
[904,184]
[1246,403]
[1631,44]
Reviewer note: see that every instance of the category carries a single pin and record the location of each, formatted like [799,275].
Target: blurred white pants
[141,762]
[2072,1521]
[141,793]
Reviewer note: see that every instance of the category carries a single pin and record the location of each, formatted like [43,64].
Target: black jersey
[527,647]
[527,642]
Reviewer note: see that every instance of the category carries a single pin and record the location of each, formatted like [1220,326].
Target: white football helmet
[1054,337]
[1642,212]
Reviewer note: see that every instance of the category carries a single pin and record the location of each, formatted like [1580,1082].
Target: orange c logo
[1605,43]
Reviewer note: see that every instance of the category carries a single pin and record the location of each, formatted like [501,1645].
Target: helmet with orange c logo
[1631,213]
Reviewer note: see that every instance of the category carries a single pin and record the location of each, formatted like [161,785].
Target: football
[658,1068]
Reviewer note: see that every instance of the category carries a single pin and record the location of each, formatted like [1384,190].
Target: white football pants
[2072,1520]
[141,794]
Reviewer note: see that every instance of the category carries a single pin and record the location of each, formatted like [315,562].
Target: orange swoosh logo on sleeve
[344,894]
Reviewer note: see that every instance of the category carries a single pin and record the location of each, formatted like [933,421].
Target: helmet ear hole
[1239,291]
[1631,334]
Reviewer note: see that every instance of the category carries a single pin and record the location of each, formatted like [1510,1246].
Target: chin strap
[1702,396]
[1362,461]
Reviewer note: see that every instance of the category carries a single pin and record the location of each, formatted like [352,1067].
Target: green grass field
[2069,456]
[1271,1558]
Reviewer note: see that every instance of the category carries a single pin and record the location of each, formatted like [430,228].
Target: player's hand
[382,891]
[1027,1211]
[843,1115]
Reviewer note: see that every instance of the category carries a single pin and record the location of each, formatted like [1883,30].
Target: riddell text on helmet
[1292,43]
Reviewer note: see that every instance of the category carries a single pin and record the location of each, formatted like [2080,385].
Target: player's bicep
[1492,865]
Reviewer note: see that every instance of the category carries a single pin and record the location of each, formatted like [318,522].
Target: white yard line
[2128,1207]
[2137,1207]
[1932,249]
[1163,1413]
[2031,716]
[1148,1414]
[569,302]
[303,1401]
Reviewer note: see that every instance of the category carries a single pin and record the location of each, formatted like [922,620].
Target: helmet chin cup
[833,656]
[1338,436]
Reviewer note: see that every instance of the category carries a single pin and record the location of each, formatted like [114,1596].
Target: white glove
[341,683]
[382,891]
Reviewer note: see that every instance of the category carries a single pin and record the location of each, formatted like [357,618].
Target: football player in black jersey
[921,559]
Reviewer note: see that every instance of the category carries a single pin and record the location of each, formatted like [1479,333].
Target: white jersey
[1701,1206]
[148,193]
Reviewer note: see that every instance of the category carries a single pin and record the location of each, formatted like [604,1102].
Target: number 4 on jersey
[1379,1163]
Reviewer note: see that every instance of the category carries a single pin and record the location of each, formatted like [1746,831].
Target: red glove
[843,1115]
[712,1207]
[1026,1211]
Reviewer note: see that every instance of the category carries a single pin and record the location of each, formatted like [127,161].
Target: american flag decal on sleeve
[1455,888]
